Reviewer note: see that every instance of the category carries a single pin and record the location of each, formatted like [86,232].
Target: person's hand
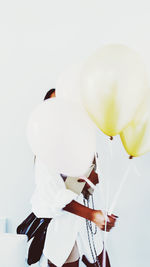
[100,219]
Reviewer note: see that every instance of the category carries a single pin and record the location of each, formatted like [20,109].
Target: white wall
[38,40]
[128,242]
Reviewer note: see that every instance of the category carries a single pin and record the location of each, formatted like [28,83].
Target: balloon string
[137,172]
[100,184]
[106,199]
[125,176]
[110,150]
[106,220]
[107,203]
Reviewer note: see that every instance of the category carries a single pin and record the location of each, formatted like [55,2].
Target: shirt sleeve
[50,195]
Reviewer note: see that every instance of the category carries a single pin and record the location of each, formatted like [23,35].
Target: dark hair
[49,93]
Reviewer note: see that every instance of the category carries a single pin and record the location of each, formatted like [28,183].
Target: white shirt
[48,200]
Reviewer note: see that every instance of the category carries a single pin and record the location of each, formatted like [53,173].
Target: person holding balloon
[113,85]
[75,229]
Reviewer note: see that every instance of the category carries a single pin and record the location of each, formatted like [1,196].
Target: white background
[38,40]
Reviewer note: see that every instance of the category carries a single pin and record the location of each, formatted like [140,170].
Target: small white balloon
[62,136]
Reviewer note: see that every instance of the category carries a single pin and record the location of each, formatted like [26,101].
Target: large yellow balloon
[136,136]
[113,83]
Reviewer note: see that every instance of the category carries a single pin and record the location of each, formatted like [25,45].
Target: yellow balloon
[113,84]
[136,136]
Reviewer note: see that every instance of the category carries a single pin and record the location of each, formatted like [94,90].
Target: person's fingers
[103,229]
[107,227]
[111,224]
[112,216]
[115,216]
[111,219]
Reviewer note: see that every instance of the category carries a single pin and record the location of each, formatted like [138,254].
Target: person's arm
[80,210]
[96,216]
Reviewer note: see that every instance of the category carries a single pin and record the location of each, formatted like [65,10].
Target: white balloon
[62,136]
[68,84]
